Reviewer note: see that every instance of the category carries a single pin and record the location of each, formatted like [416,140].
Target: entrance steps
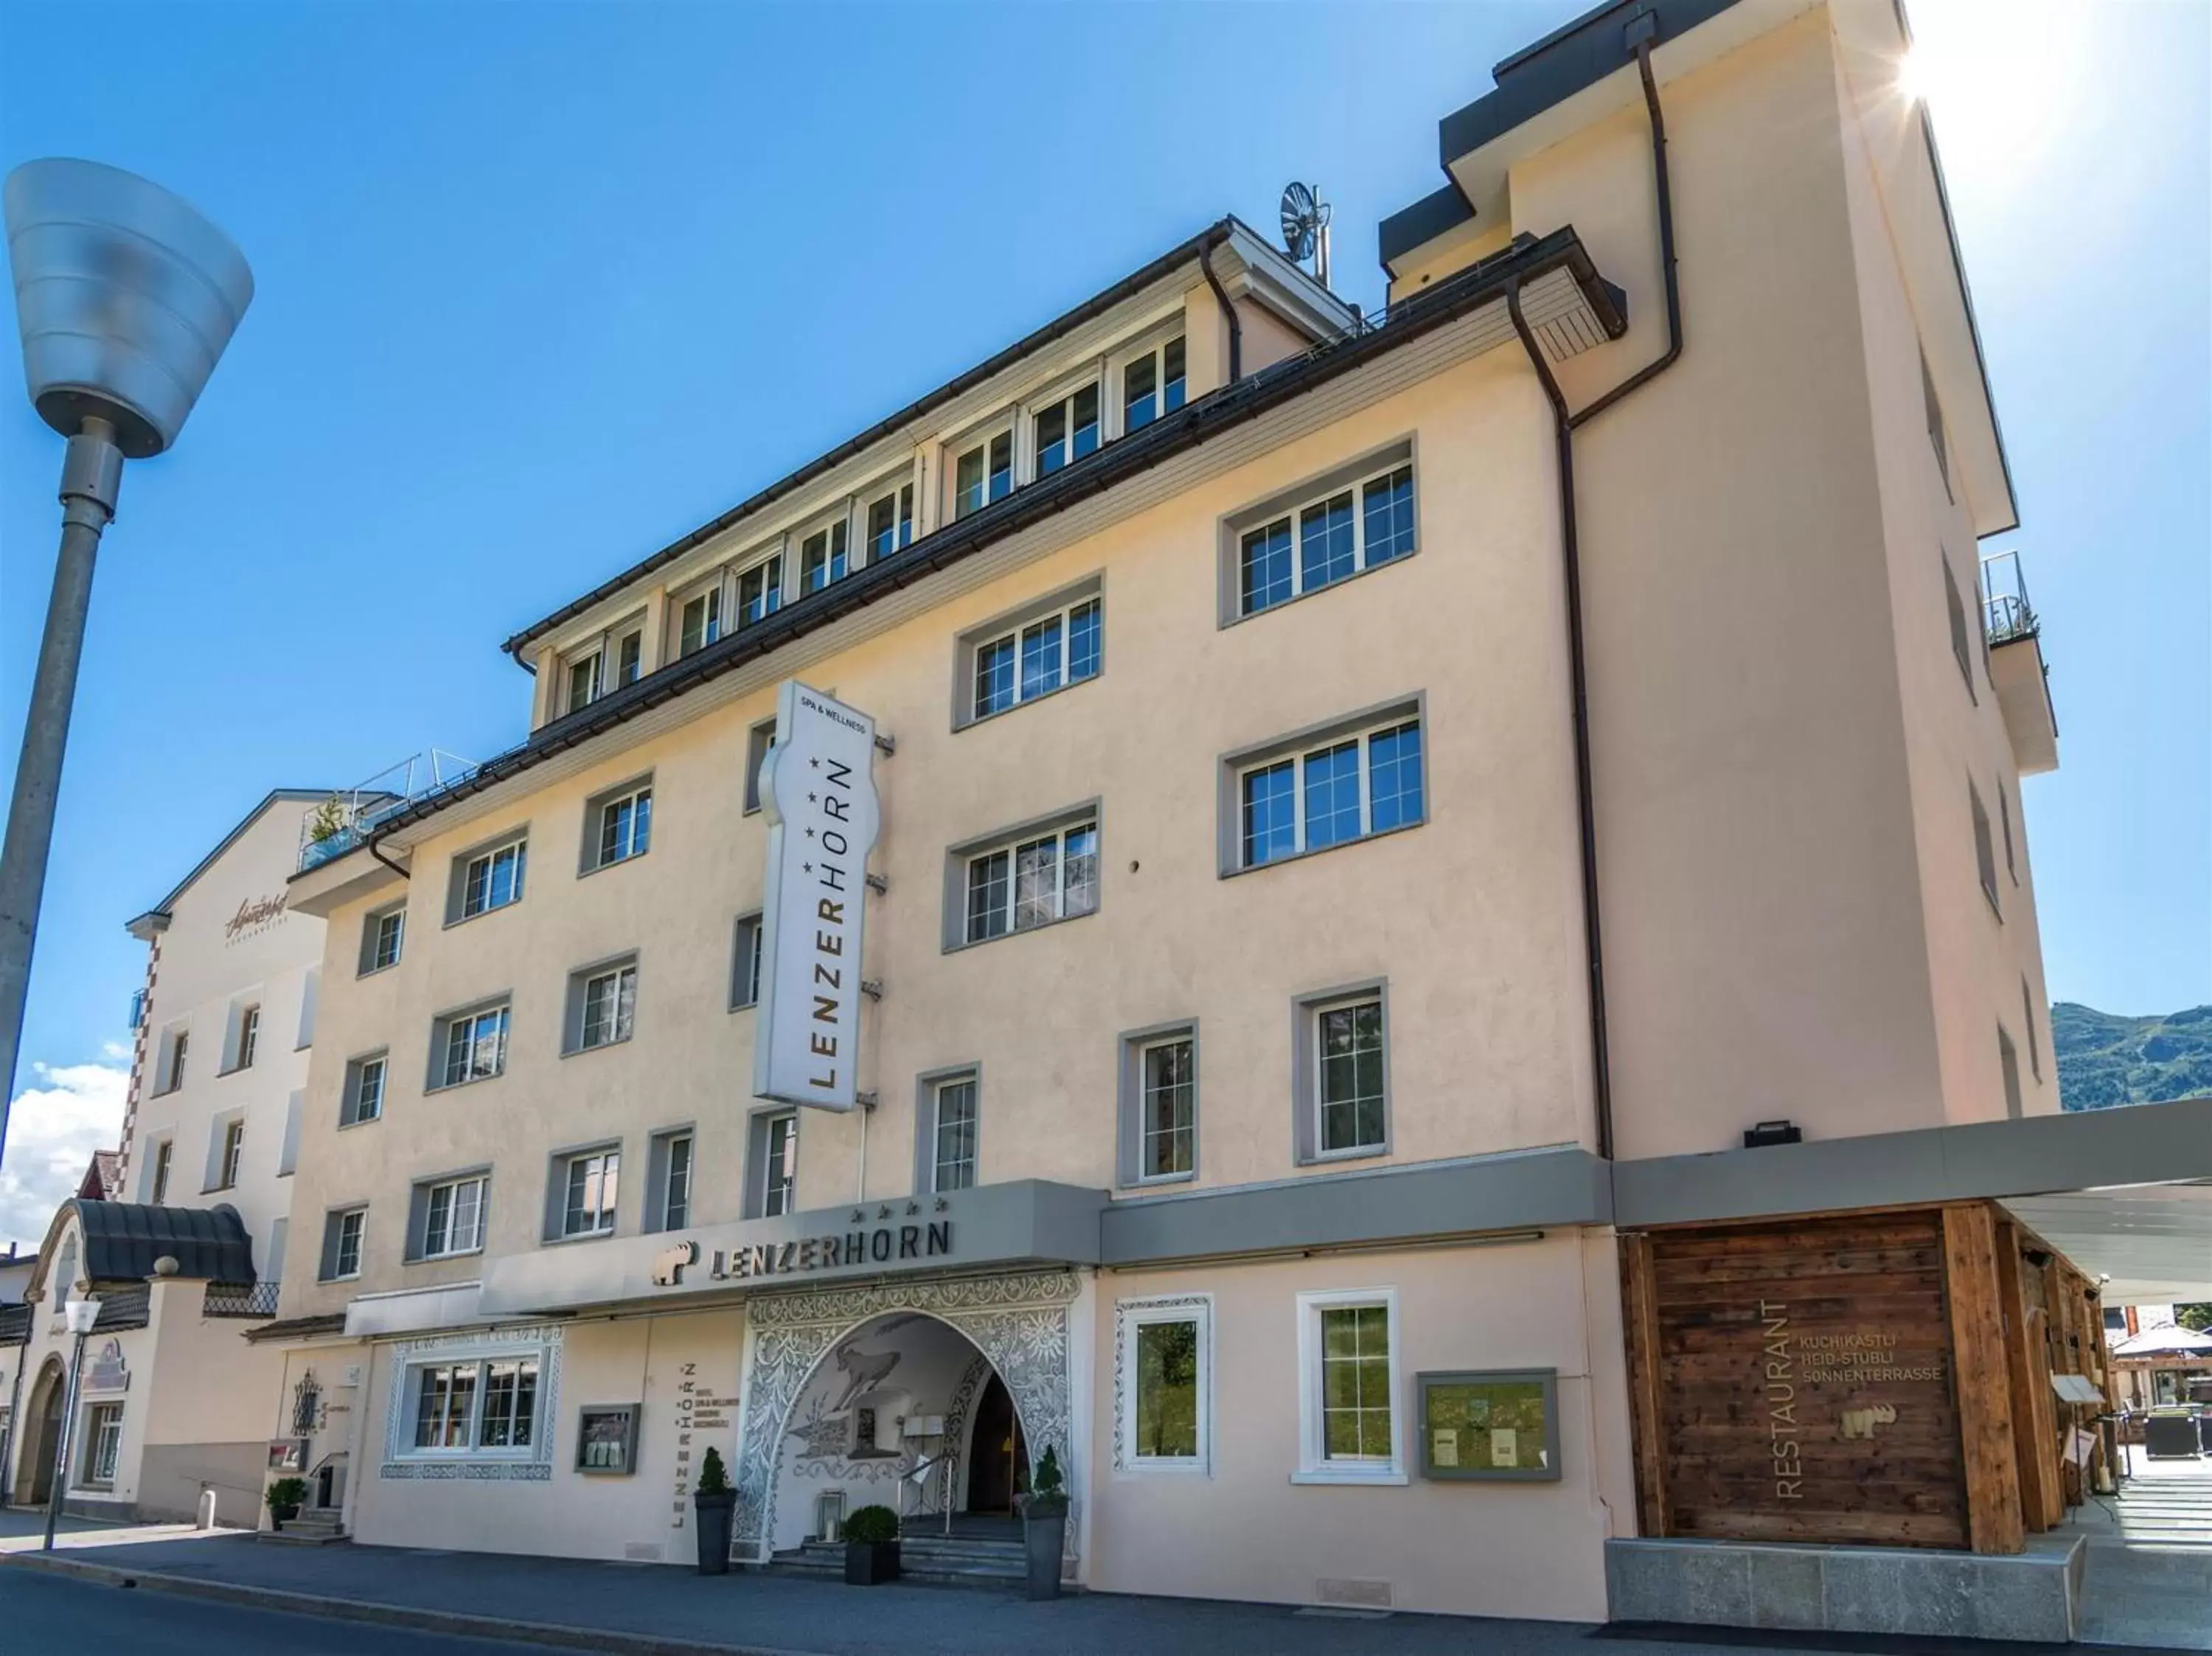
[968,1560]
[318,1526]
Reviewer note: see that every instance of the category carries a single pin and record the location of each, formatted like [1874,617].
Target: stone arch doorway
[998,1458]
[42,1435]
[819,1386]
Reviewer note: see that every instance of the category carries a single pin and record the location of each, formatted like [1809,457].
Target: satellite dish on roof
[1305,227]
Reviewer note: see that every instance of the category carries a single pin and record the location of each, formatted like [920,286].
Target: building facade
[182,1233]
[1337,808]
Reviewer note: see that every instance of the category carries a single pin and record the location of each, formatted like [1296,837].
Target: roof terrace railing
[2007,615]
[351,814]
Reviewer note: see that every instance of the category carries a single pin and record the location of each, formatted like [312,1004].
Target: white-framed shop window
[485,1403]
[1352,1419]
[103,1445]
[1164,1384]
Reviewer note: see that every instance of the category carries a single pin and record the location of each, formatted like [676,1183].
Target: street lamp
[81,1314]
[125,297]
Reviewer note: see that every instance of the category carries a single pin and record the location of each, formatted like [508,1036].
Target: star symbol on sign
[811,798]
[810,833]
[814,764]
[807,868]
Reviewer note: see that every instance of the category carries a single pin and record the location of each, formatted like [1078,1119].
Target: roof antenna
[1305,227]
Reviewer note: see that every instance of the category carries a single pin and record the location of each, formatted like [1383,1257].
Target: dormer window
[821,557]
[595,666]
[985,473]
[583,680]
[1152,385]
[760,591]
[891,522]
[630,656]
[1067,430]
[701,622]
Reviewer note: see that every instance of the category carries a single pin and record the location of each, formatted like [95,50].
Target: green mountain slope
[2104,1059]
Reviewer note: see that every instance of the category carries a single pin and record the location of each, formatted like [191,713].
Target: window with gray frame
[668,1179]
[487,879]
[586,1187]
[745,963]
[1054,640]
[381,934]
[602,1004]
[758,741]
[2009,1065]
[1955,607]
[2004,821]
[1340,1073]
[1020,878]
[446,1216]
[248,1042]
[1337,783]
[1985,860]
[176,1047]
[363,1097]
[468,1046]
[948,1105]
[342,1231]
[772,1164]
[617,825]
[229,1152]
[157,1191]
[1357,517]
[1158,1099]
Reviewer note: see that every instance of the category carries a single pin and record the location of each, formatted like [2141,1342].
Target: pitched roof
[143,926]
[103,1180]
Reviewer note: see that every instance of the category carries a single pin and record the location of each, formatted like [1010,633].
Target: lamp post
[81,1314]
[125,297]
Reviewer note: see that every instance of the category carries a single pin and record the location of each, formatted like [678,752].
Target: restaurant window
[1163,1358]
[984,473]
[486,1404]
[1350,1427]
[1152,385]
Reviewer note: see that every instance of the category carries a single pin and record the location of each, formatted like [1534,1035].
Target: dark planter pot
[280,1516]
[1044,1532]
[868,1563]
[714,1514]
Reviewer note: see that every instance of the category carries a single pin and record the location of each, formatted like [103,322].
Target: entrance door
[998,1463]
[47,1443]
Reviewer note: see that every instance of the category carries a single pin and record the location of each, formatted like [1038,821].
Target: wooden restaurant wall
[1882,1377]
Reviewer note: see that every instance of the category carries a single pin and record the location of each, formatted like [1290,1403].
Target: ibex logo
[1860,1422]
[668,1263]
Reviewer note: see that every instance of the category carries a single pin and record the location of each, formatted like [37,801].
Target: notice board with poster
[1495,1424]
[1794,1381]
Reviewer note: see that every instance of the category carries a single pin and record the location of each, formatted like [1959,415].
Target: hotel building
[1374,812]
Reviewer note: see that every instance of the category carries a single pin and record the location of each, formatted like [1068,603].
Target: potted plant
[713,1502]
[872,1548]
[1044,1525]
[327,821]
[285,1494]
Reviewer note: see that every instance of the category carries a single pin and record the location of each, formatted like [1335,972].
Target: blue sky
[543,286]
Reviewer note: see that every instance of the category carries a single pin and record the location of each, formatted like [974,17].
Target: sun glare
[2000,80]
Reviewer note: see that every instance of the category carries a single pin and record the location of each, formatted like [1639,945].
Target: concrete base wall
[171,1475]
[2033,1596]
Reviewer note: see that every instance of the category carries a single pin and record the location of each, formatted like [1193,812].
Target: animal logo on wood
[668,1263]
[1860,1422]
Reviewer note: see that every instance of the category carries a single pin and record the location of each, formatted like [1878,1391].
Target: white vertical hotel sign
[818,791]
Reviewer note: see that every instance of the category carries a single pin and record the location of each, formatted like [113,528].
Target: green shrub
[713,1477]
[287,1492]
[1047,1489]
[871,1525]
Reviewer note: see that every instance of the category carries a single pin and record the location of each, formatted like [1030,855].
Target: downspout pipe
[1229,313]
[1640,35]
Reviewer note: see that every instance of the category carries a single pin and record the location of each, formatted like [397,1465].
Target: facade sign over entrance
[818,791]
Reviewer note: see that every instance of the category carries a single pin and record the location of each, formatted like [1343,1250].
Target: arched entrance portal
[42,1440]
[848,1393]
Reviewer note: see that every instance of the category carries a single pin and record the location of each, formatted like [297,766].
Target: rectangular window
[1151,385]
[1348,1388]
[1935,409]
[821,557]
[1985,859]
[1339,790]
[621,828]
[2008,1066]
[492,879]
[701,621]
[158,1192]
[583,683]
[670,1174]
[1056,649]
[759,591]
[1348,1066]
[1065,430]
[609,1007]
[380,936]
[1956,607]
[249,1039]
[445,1402]
[1054,877]
[103,1434]
[891,522]
[231,1155]
[1164,1356]
[364,1091]
[592,1182]
[745,963]
[1324,541]
[469,1046]
[341,1240]
[173,1067]
[453,1217]
[777,1140]
[629,658]
[982,475]
[1168,1103]
[952,1134]
[510,1403]
[2027,1012]
[489,1405]
[759,740]
[2004,820]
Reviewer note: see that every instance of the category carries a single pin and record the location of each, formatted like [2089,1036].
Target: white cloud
[53,1128]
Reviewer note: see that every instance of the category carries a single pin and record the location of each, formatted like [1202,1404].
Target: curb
[561,1636]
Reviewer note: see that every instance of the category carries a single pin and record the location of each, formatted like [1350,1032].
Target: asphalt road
[46,1614]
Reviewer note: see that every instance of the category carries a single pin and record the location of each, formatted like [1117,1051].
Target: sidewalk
[651,1609]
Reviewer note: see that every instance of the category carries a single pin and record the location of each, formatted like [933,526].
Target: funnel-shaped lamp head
[125,296]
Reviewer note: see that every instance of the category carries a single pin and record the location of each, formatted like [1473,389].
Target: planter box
[868,1563]
[713,1515]
[1044,1534]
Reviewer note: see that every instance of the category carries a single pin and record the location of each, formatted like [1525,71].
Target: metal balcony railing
[2006,613]
[241,1300]
[351,816]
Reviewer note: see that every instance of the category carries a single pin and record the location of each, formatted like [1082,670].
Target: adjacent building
[181,1235]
